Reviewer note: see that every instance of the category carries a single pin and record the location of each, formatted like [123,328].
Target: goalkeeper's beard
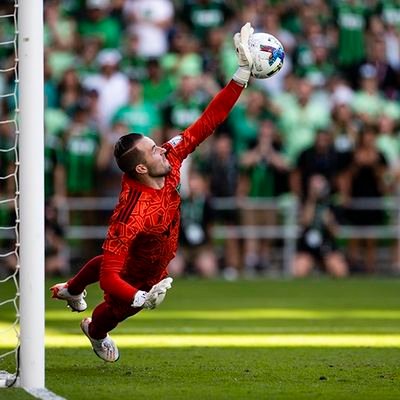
[159,171]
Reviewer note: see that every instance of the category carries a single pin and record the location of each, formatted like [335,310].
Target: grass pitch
[262,339]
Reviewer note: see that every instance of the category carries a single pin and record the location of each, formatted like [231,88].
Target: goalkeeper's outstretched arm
[219,108]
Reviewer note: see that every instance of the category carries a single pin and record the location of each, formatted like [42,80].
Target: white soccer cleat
[105,348]
[74,302]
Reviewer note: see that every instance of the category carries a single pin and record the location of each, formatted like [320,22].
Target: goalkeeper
[143,234]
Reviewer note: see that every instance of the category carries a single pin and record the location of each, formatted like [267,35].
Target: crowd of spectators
[325,128]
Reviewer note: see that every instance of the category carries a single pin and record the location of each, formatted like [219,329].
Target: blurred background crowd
[307,164]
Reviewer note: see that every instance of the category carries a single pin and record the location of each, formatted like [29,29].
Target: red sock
[88,274]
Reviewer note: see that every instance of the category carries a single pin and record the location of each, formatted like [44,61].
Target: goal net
[9,195]
[21,195]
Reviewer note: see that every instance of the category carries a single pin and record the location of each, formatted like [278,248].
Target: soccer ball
[268,55]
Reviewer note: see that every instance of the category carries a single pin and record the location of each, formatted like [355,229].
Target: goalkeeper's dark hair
[126,154]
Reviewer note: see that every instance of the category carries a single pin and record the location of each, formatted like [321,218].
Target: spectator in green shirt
[81,149]
[132,63]
[183,57]
[99,23]
[318,67]
[389,11]
[157,86]
[351,20]
[204,15]
[368,102]
[184,106]
[139,115]
[245,119]
[266,171]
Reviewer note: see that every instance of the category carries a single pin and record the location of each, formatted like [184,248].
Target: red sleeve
[214,115]
[111,281]
[126,224]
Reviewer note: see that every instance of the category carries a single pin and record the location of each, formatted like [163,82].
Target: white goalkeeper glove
[245,60]
[154,296]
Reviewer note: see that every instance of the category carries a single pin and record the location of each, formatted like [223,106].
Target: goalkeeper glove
[245,60]
[154,297]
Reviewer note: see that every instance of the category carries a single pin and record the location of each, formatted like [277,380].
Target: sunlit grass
[287,340]
[226,340]
[256,314]
[281,340]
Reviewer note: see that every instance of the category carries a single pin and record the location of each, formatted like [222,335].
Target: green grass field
[265,339]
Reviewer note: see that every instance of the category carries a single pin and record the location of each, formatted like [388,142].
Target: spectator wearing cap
[367,99]
[100,24]
[111,85]
[368,102]
[150,21]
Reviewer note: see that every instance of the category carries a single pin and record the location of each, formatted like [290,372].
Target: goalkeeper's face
[154,158]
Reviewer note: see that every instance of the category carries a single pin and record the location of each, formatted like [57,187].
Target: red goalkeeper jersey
[143,234]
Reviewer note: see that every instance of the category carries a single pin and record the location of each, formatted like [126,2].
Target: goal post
[31,185]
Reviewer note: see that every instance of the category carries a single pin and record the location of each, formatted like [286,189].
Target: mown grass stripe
[231,340]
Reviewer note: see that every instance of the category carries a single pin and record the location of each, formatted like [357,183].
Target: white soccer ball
[268,55]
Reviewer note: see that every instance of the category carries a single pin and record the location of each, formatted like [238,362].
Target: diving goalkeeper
[143,234]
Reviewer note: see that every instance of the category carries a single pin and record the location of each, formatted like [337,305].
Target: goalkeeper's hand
[154,296]
[245,60]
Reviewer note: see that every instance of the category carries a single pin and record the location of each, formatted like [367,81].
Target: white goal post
[31,179]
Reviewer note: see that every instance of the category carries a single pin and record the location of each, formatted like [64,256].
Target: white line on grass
[43,394]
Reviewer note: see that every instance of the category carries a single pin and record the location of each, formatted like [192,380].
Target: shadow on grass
[227,373]
[245,370]
[224,373]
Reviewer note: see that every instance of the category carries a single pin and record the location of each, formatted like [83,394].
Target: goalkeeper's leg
[73,291]
[87,275]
